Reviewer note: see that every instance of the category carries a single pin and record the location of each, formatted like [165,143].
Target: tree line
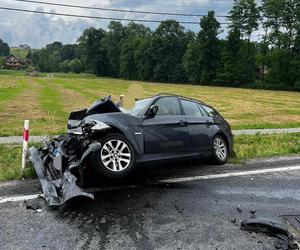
[4,49]
[173,54]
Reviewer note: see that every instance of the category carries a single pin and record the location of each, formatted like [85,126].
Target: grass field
[245,147]
[10,163]
[19,52]
[46,102]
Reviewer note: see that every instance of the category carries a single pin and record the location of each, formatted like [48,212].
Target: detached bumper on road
[59,189]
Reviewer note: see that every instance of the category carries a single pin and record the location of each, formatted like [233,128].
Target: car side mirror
[152,111]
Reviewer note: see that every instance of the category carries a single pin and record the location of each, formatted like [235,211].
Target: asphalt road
[145,213]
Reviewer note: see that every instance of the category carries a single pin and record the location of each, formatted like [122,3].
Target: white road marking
[171,180]
[19,198]
[233,174]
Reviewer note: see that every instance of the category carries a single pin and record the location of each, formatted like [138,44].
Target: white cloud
[37,29]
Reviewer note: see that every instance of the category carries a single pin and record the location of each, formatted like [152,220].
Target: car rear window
[211,112]
[191,108]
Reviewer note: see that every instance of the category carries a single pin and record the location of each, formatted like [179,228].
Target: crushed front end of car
[61,163]
[58,166]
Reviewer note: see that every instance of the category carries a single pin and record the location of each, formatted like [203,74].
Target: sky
[37,30]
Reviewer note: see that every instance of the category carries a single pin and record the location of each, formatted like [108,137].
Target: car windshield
[138,107]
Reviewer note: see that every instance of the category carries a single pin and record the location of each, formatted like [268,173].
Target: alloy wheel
[115,155]
[220,149]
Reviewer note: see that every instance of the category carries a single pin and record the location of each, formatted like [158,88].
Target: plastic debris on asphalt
[272,226]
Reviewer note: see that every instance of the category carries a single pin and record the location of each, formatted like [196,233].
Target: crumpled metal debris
[273,225]
[56,191]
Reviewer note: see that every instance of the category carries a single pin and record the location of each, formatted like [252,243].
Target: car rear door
[167,131]
[199,125]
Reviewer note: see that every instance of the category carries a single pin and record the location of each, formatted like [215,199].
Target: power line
[168,1]
[117,10]
[95,17]
[171,3]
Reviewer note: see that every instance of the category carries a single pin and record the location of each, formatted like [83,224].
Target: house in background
[24,46]
[13,62]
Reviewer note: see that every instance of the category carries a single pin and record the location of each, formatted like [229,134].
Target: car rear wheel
[116,158]
[220,150]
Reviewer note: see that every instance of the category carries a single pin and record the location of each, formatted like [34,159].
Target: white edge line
[234,174]
[173,180]
[20,198]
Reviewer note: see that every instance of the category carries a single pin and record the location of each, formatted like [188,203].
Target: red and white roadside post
[25,142]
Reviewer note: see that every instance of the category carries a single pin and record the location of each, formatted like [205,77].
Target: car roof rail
[165,93]
[185,97]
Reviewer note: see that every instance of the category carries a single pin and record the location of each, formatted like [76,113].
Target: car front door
[199,126]
[166,132]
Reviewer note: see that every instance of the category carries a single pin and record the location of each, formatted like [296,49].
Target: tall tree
[92,52]
[144,59]
[227,72]
[282,19]
[48,59]
[135,34]
[68,52]
[191,61]
[201,59]
[168,45]
[209,51]
[112,44]
[4,48]
[244,17]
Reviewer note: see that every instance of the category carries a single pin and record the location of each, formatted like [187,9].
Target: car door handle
[183,123]
[209,123]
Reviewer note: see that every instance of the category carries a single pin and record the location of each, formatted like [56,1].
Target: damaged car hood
[105,105]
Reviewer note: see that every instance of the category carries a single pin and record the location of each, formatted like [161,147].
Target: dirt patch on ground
[25,105]
[72,100]
[281,119]
[8,83]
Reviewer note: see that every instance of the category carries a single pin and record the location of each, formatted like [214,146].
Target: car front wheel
[220,150]
[116,158]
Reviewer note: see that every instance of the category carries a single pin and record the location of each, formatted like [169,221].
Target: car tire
[220,150]
[116,157]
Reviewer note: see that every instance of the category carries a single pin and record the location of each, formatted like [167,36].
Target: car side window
[205,114]
[211,112]
[168,106]
[191,108]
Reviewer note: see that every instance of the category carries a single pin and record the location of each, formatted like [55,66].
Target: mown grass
[245,147]
[49,99]
[10,163]
[10,89]
[72,75]
[50,102]
[56,96]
